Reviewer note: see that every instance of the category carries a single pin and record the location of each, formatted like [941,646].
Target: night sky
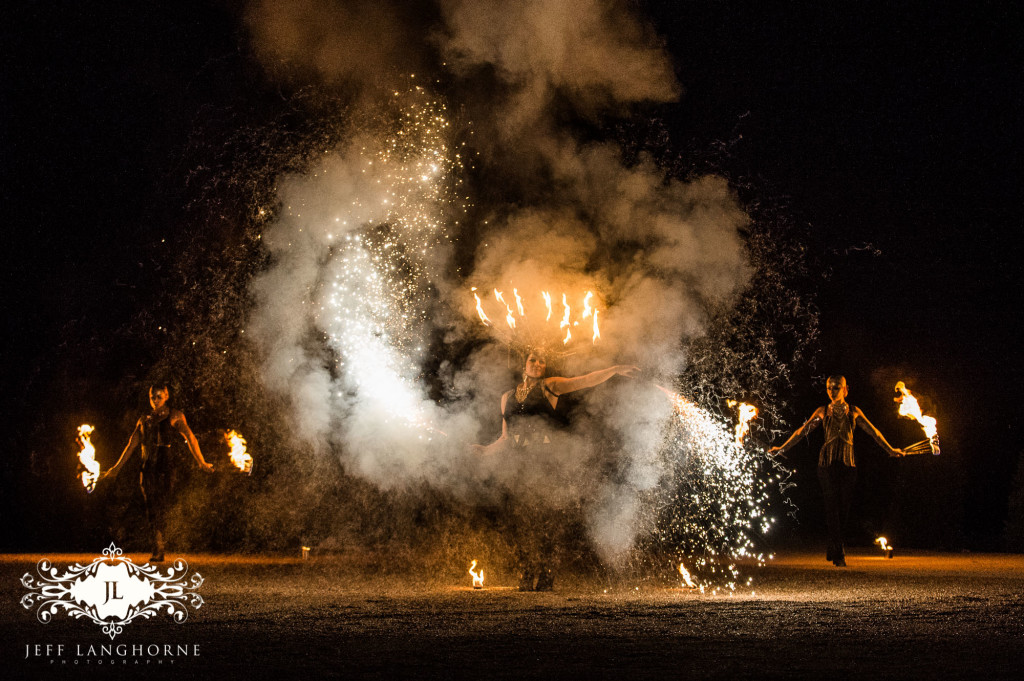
[891,131]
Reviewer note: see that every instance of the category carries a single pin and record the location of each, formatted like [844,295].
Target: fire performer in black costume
[533,423]
[837,470]
[157,432]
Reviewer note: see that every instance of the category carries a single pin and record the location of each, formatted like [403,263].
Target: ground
[917,615]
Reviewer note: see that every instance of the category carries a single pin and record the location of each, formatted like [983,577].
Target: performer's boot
[839,557]
[546,581]
[158,548]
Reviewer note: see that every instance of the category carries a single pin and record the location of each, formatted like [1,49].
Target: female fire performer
[532,416]
[837,470]
[157,433]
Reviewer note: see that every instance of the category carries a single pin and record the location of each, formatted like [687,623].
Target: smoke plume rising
[364,285]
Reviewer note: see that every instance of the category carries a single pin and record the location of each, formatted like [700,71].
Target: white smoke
[344,325]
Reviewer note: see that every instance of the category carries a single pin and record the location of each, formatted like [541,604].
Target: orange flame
[519,302]
[586,304]
[480,309]
[87,456]
[883,544]
[509,319]
[565,317]
[909,408]
[241,459]
[547,301]
[747,413]
[597,330]
[478,576]
[687,579]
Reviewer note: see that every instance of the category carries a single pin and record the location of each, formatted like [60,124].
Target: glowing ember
[747,413]
[478,576]
[909,408]
[87,457]
[687,579]
[239,457]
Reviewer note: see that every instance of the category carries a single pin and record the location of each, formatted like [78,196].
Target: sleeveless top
[158,436]
[534,421]
[838,447]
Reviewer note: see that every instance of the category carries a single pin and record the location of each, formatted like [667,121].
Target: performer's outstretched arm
[809,425]
[875,434]
[179,424]
[133,443]
[560,386]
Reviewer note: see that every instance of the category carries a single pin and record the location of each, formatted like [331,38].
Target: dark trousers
[157,484]
[837,484]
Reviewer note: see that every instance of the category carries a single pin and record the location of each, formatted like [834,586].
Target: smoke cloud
[362,279]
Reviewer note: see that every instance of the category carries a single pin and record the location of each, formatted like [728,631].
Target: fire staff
[157,433]
[837,470]
[533,423]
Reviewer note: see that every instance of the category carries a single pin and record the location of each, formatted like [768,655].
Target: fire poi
[240,458]
[478,576]
[87,457]
[909,408]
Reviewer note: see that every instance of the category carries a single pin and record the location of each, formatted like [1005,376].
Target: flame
[687,579]
[239,457]
[883,543]
[509,319]
[480,309]
[909,408]
[87,456]
[533,333]
[747,413]
[478,576]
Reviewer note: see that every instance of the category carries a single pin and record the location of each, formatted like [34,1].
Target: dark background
[890,132]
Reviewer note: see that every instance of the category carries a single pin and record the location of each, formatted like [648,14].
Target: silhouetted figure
[837,471]
[533,424]
[157,433]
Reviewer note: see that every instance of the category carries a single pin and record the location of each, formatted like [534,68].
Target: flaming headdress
[534,321]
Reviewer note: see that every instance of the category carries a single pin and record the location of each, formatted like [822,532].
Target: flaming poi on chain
[909,408]
[87,457]
[883,544]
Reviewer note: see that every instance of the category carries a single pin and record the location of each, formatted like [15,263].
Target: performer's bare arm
[816,418]
[133,443]
[561,386]
[875,434]
[502,441]
[179,424]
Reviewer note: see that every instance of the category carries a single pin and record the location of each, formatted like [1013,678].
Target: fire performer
[157,432]
[533,423]
[837,470]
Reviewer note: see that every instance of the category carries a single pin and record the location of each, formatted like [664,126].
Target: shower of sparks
[718,506]
[528,330]
[374,301]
